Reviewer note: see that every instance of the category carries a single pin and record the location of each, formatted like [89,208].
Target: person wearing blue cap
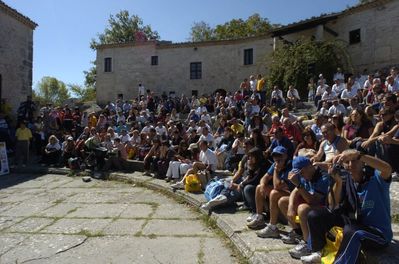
[273,185]
[359,203]
[311,187]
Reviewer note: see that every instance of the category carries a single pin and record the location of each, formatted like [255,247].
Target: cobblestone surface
[58,219]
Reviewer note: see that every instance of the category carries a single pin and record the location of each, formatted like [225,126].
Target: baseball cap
[280,150]
[300,162]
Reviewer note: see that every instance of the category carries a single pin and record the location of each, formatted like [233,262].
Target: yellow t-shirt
[23,134]
[92,121]
[260,84]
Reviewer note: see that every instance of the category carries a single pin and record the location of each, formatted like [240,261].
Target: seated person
[118,157]
[166,154]
[285,113]
[311,187]
[181,162]
[277,97]
[331,145]
[292,131]
[93,143]
[309,145]
[207,162]
[151,158]
[293,96]
[224,147]
[337,108]
[252,172]
[273,185]
[358,128]
[52,151]
[68,150]
[365,226]
[280,140]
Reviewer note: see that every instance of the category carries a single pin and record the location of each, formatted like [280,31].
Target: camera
[339,169]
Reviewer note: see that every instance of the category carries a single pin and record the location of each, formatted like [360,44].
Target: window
[154,60]
[108,65]
[354,36]
[120,96]
[248,56]
[195,70]
[194,93]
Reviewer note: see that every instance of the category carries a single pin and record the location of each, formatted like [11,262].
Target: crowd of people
[315,172]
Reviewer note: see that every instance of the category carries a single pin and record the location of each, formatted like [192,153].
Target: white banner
[4,168]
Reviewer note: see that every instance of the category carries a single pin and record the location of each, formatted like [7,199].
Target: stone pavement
[232,223]
[60,219]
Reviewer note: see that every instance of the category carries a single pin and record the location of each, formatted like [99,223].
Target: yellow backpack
[331,248]
[193,184]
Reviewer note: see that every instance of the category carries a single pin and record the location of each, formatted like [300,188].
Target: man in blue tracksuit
[360,204]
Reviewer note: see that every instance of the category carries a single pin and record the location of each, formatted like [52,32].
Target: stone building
[189,68]
[16,56]
[369,31]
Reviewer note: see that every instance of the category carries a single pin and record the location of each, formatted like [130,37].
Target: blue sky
[61,41]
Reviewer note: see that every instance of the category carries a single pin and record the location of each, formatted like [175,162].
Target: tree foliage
[90,76]
[51,90]
[84,94]
[295,63]
[253,26]
[122,28]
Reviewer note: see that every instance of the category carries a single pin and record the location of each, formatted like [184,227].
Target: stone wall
[222,67]
[379,46]
[16,56]
[222,62]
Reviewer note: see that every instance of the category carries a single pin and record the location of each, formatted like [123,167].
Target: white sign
[4,169]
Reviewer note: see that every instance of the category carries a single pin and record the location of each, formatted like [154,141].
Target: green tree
[122,28]
[295,63]
[90,76]
[51,90]
[84,94]
[201,31]
[253,26]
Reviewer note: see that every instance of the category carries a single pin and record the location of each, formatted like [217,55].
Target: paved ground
[58,219]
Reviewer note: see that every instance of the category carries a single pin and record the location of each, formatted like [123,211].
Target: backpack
[213,189]
[193,184]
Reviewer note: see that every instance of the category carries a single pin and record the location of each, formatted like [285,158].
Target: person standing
[23,135]
[141,91]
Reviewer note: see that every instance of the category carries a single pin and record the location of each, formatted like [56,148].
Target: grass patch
[201,253]
[152,236]
[87,233]
[58,201]
[72,210]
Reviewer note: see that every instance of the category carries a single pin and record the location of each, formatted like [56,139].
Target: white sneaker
[300,250]
[218,200]
[178,185]
[268,232]
[314,258]
[251,217]
[257,223]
